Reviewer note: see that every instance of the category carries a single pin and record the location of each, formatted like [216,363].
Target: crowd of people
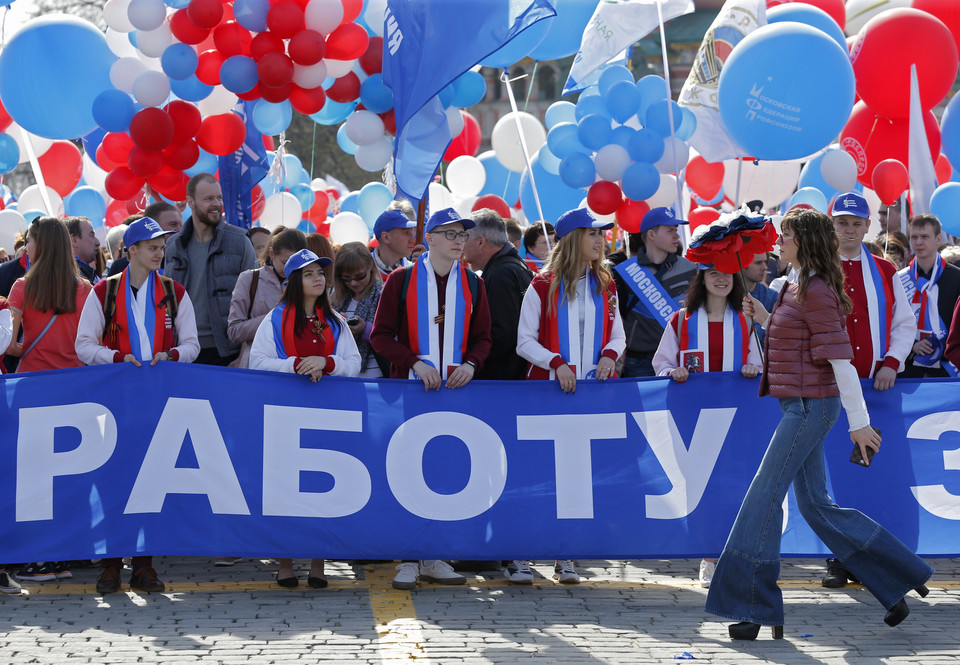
[482,299]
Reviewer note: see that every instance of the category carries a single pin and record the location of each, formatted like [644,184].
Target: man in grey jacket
[207,256]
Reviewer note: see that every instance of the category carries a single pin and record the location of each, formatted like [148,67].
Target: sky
[15,16]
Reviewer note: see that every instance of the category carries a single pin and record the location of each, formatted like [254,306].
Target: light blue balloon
[767,86]
[517,48]
[272,119]
[304,176]
[640,181]
[9,154]
[588,104]
[594,131]
[564,140]
[577,170]
[563,38]
[556,197]
[614,74]
[344,141]
[646,145]
[51,71]
[176,4]
[190,89]
[622,135]
[333,113]
[179,61]
[468,89]
[811,197]
[86,202]
[945,204]
[688,125]
[622,99]
[652,89]
[549,161]
[800,12]
[659,114]
[373,200]
[291,170]
[350,202]
[206,163]
[950,131]
[31,215]
[811,177]
[376,96]
[304,195]
[251,14]
[560,112]
[446,96]
[500,181]
[269,187]
[238,74]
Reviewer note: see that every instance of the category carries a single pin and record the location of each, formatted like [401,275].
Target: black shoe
[109,581]
[317,582]
[922,591]
[145,579]
[288,582]
[897,613]
[746,630]
[836,576]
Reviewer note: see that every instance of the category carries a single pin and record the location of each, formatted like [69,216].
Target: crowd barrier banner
[191,460]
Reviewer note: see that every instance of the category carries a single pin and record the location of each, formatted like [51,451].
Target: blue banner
[193,460]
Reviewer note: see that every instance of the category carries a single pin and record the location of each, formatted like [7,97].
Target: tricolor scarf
[563,327]
[143,326]
[923,294]
[25,262]
[880,299]
[283,318]
[534,263]
[423,312]
[693,335]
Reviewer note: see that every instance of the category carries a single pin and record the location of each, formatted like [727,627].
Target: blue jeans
[636,367]
[744,586]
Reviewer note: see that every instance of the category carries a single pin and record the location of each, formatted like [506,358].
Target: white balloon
[323,15]
[146,14]
[32,199]
[40,144]
[310,76]
[374,156]
[281,209]
[151,88]
[364,127]
[676,154]
[318,185]
[839,169]
[770,182]
[219,101]
[337,68]
[454,120]
[873,203]
[94,176]
[374,14]
[666,193]
[348,227]
[861,11]
[465,206]
[124,72]
[120,44]
[11,223]
[611,161]
[439,197]
[466,176]
[152,43]
[115,15]
[101,233]
[505,139]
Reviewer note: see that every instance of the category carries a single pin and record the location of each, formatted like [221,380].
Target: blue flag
[240,171]
[427,44]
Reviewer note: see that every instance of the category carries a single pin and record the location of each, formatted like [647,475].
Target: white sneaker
[706,572]
[7,583]
[441,572]
[566,573]
[406,577]
[519,572]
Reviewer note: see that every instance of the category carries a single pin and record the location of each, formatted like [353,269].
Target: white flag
[736,20]
[615,25]
[923,174]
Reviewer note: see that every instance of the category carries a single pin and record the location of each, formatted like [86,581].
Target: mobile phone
[857,458]
[353,320]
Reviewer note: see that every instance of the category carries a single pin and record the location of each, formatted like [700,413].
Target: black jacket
[506,278]
[10,271]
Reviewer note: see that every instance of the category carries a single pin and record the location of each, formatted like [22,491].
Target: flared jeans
[744,586]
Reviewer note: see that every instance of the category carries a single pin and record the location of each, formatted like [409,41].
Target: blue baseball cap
[304,258]
[144,228]
[578,219]
[392,219]
[659,217]
[447,216]
[850,204]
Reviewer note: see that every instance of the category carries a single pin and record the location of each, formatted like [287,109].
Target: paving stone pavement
[647,611]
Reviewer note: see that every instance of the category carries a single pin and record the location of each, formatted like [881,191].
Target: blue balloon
[304,195]
[945,204]
[291,170]
[86,202]
[113,110]
[577,170]
[375,95]
[179,61]
[344,141]
[950,131]
[190,89]
[622,135]
[31,215]
[688,125]
[800,12]
[811,197]
[238,74]
[588,104]
[556,198]
[206,163]
[373,200]
[640,181]
[500,180]
[622,99]
[333,113]
[614,74]
[549,161]
[468,89]
[51,71]
[269,187]
[594,131]
[810,177]
[771,91]
[517,48]
[272,119]
[652,89]
[91,142]
[564,140]
[350,203]
[560,112]
[304,176]
[646,146]
[306,227]
[446,96]
[9,154]
[176,4]
[659,114]
[251,14]
[563,37]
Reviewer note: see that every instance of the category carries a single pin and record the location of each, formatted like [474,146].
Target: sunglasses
[355,278]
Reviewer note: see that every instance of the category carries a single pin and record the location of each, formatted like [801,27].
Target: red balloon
[947,11]
[222,134]
[103,159]
[62,166]
[943,168]
[389,122]
[5,118]
[231,38]
[116,147]
[307,101]
[257,201]
[493,202]
[264,43]
[182,155]
[205,13]
[702,215]
[137,204]
[886,48]
[345,89]
[351,9]
[835,8]
[208,67]
[890,180]
[174,187]
[346,42]
[318,211]
[285,18]
[151,129]
[145,164]
[467,142]
[275,95]
[122,183]
[307,47]
[630,214]
[604,197]
[166,178]
[705,178]
[872,139]
[251,95]
[186,119]
[372,59]
[116,213]
[186,30]
[275,69]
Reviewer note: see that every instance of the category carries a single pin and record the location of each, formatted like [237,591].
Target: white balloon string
[37,173]
[678,204]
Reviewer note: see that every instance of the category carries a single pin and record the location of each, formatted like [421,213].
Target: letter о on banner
[786,91]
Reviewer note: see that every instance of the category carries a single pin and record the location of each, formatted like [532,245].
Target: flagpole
[666,78]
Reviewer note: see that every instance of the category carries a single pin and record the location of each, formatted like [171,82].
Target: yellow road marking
[395,619]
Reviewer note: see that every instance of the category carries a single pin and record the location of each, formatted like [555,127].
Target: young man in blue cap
[651,285]
[433,324]
[139,317]
[396,235]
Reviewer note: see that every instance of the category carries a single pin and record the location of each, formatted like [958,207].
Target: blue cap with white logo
[447,216]
[392,219]
[579,219]
[850,204]
[304,258]
[659,217]
[144,228]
